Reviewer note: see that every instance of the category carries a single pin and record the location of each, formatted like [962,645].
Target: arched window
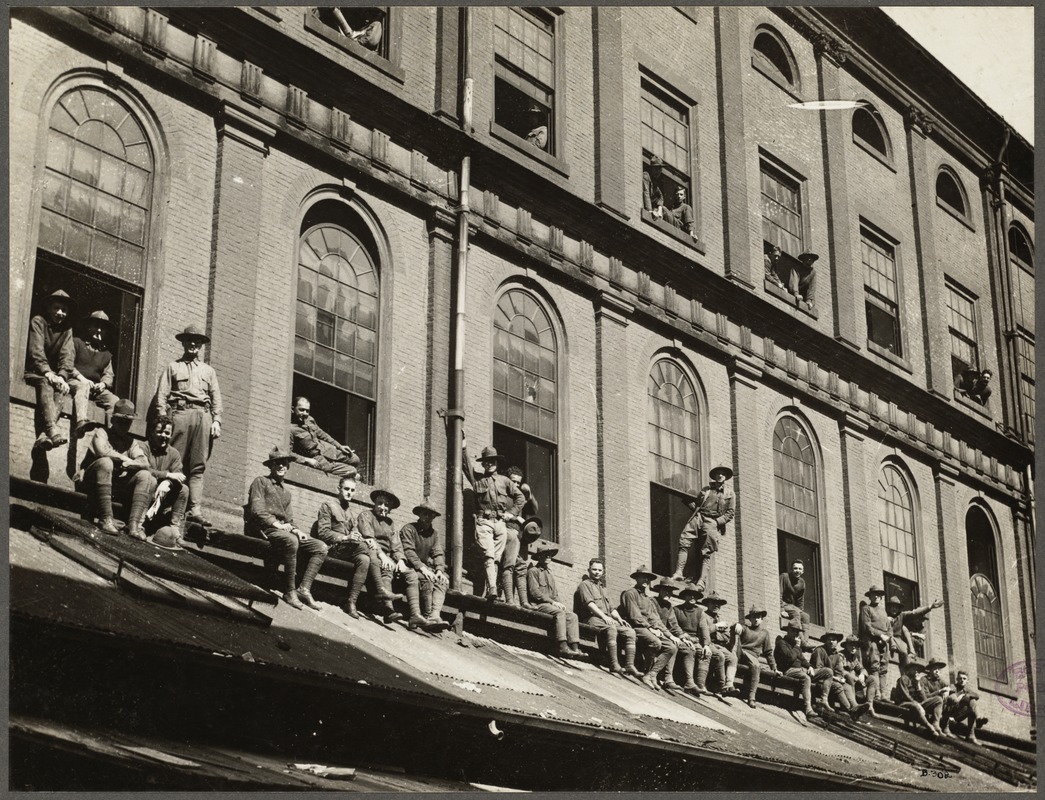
[1020,250]
[771,56]
[869,131]
[797,509]
[896,533]
[674,458]
[336,328]
[526,397]
[96,204]
[950,194]
[987,620]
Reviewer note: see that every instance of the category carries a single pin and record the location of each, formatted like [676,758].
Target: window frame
[147,352]
[821,567]
[768,163]
[555,156]
[550,507]
[1025,339]
[764,65]
[991,529]
[963,215]
[885,155]
[953,290]
[875,236]
[390,65]
[913,584]
[1017,229]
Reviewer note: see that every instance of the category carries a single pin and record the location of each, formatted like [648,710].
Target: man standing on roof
[754,642]
[268,516]
[523,530]
[375,526]
[791,661]
[638,610]
[188,393]
[497,500]
[314,447]
[592,607]
[424,554]
[545,598]
[712,510]
[335,526]
[875,632]
[902,638]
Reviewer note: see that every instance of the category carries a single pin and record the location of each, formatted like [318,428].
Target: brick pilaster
[732,50]
[862,542]
[438,356]
[608,57]
[613,437]
[930,274]
[954,571]
[231,314]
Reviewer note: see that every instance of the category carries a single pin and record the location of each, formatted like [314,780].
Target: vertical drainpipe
[456,410]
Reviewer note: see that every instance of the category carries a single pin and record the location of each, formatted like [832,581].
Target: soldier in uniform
[168,477]
[902,638]
[696,632]
[523,530]
[92,374]
[791,661]
[665,589]
[375,526]
[908,693]
[336,528]
[638,609]
[188,393]
[314,447]
[723,643]
[592,607]
[425,556]
[48,364]
[545,598]
[875,633]
[960,706]
[497,500]
[754,642]
[712,510]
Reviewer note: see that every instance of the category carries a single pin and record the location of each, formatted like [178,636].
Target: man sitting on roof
[834,687]
[312,446]
[853,668]
[902,638]
[115,462]
[665,588]
[336,528]
[791,661]
[723,643]
[545,598]
[268,516]
[696,632]
[754,642]
[592,607]
[375,526]
[909,694]
[424,554]
[168,489]
[959,706]
[637,608]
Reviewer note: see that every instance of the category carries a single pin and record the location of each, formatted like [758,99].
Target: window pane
[795,472]
[673,427]
[525,364]
[324,366]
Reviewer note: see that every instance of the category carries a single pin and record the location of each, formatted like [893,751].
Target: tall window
[665,133]
[881,303]
[772,57]
[797,509]
[335,343]
[1021,257]
[950,194]
[526,397]
[524,74]
[1025,364]
[896,532]
[987,620]
[97,196]
[781,210]
[961,323]
[674,458]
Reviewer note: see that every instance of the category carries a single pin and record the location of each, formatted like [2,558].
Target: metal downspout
[460,282]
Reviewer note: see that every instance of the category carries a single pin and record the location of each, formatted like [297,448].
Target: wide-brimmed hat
[792,625]
[393,501]
[689,591]
[489,452]
[60,296]
[721,468]
[642,572]
[426,508]
[543,547]
[808,258]
[531,529]
[275,454]
[124,409]
[894,601]
[873,591]
[667,585]
[656,161]
[935,663]
[98,318]
[755,611]
[852,639]
[916,662]
[168,537]
[714,599]
[192,332]
[832,635]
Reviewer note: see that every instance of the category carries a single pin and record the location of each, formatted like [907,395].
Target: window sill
[524,147]
[675,233]
[892,358]
[345,44]
[794,90]
[964,220]
[24,394]
[877,155]
[971,405]
[318,481]
[790,299]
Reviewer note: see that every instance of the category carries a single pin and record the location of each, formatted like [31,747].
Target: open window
[961,326]
[668,145]
[96,211]
[524,76]
[366,26]
[881,291]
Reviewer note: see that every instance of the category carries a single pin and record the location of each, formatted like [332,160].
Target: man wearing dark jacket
[425,556]
[791,661]
[638,609]
[545,598]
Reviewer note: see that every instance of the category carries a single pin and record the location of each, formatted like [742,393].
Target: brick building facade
[297,194]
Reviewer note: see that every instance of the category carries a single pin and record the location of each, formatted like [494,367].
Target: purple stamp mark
[1019,673]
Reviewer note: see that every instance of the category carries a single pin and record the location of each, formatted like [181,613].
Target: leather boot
[629,661]
[108,526]
[491,580]
[413,600]
[387,609]
[305,587]
[522,590]
[508,587]
[689,659]
[291,599]
[134,530]
[350,608]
